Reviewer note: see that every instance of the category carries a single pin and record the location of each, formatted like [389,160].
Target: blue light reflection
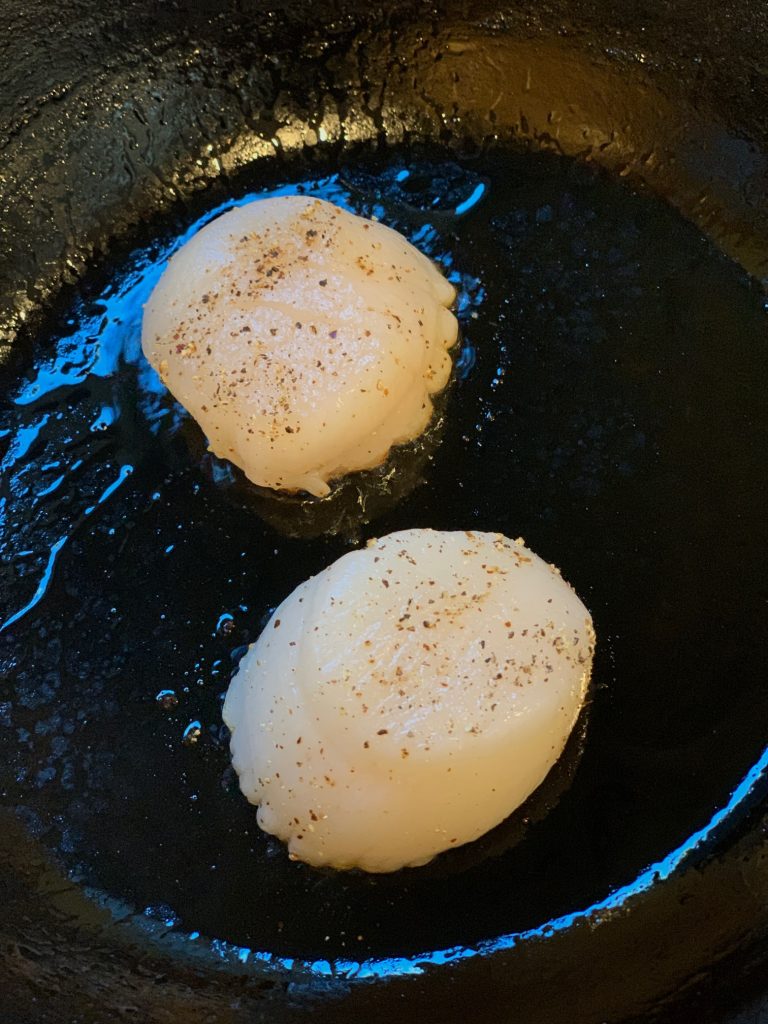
[393,967]
[470,201]
[45,579]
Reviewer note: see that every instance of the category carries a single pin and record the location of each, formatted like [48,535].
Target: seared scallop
[408,698]
[306,341]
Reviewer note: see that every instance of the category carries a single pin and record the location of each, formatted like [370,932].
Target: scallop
[408,698]
[305,341]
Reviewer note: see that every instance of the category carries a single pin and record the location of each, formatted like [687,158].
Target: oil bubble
[192,734]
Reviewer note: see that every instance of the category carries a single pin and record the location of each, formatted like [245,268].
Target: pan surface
[606,406]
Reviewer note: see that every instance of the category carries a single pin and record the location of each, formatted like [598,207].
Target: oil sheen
[603,406]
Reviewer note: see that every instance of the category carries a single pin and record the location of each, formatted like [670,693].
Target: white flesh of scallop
[408,698]
[305,341]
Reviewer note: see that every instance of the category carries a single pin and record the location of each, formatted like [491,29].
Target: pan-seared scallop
[306,341]
[408,698]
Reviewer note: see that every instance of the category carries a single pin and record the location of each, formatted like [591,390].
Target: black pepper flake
[323,283]
[277,624]
[382,732]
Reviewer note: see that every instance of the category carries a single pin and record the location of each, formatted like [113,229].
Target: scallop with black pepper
[306,341]
[408,698]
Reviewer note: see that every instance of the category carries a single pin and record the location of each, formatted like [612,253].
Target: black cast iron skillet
[608,404]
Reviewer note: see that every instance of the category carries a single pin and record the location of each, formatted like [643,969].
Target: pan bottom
[604,408]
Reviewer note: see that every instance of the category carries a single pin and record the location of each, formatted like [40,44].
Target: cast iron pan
[594,181]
